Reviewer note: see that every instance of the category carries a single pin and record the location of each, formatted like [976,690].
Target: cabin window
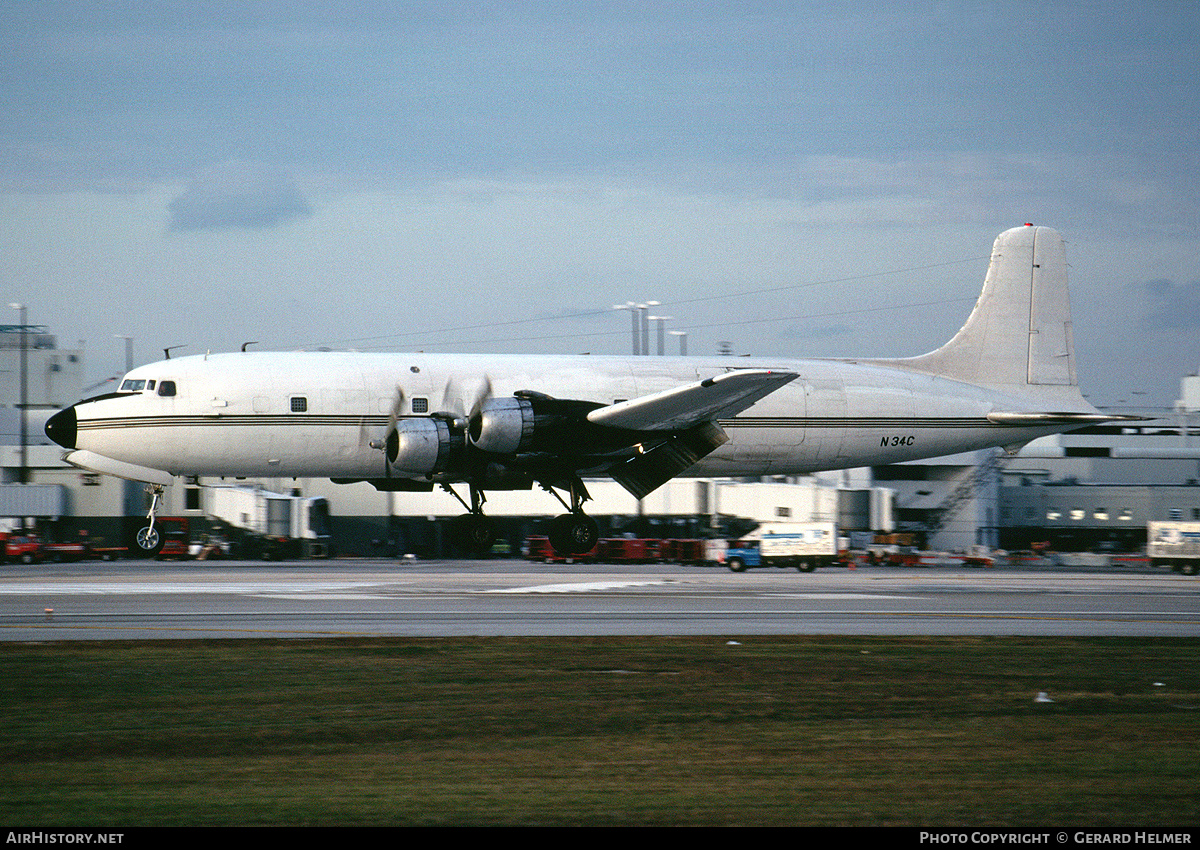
[299,404]
[166,388]
[420,405]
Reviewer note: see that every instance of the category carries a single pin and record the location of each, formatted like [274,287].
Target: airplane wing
[681,407]
[687,417]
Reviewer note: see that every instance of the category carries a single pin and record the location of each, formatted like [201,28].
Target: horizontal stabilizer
[680,407]
[93,462]
[1056,418]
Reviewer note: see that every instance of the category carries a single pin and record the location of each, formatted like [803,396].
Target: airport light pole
[635,331]
[23,474]
[682,341]
[661,332]
[643,309]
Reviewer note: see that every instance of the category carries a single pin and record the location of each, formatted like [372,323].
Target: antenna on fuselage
[244,344]
[167,351]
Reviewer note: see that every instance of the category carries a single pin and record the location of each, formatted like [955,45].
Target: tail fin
[1018,337]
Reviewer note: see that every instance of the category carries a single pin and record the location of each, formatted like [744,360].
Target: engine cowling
[503,425]
[424,446]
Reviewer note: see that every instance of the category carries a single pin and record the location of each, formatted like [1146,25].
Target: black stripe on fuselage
[270,420]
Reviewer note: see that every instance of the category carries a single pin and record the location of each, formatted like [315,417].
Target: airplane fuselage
[323,414]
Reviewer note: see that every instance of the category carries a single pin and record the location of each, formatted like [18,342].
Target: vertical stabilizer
[1019,334]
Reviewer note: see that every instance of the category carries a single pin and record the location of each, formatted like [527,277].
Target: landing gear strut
[472,533]
[573,533]
[149,541]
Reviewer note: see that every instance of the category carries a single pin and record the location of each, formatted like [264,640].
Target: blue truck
[802,546]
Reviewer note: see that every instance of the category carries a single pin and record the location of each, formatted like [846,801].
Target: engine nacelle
[503,425]
[424,446]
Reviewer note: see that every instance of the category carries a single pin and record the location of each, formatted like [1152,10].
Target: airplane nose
[61,427]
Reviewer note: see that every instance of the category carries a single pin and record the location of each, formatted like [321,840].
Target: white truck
[803,545]
[280,525]
[1175,545]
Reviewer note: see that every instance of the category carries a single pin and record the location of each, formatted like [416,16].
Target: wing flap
[681,407]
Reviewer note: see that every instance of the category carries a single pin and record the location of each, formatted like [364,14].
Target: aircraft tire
[148,542]
[573,534]
[473,535]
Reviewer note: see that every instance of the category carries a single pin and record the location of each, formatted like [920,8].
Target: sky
[785,179]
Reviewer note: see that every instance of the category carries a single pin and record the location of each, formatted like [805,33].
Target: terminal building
[1092,489]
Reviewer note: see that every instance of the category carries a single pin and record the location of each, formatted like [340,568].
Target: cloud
[238,195]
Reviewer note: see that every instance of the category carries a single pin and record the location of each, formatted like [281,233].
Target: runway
[155,600]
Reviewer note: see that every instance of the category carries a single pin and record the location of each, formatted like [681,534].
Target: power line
[425,333]
[724,323]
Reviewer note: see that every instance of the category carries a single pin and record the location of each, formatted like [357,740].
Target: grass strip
[790,730]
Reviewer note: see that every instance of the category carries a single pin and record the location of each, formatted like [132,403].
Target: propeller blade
[393,418]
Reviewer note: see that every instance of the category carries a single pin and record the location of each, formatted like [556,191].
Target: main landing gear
[149,541]
[573,533]
[472,534]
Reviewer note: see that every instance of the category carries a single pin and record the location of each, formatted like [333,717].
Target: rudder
[1019,333]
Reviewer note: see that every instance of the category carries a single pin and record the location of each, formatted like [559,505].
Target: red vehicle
[683,551]
[174,530]
[539,549]
[636,550]
[21,546]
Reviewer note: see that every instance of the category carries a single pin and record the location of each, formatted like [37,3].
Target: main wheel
[573,534]
[473,534]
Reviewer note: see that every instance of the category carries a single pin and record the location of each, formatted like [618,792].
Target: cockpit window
[166,388]
[131,386]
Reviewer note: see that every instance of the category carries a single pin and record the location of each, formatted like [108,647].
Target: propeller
[393,418]
[454,401]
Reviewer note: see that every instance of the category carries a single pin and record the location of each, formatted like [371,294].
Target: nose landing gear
[149,540]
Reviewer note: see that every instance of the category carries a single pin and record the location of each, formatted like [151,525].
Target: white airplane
[506,422]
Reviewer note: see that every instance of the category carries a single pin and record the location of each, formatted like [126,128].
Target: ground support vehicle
[804,546]
[272,526]
[539,549]
[20,547]
[1175,545]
